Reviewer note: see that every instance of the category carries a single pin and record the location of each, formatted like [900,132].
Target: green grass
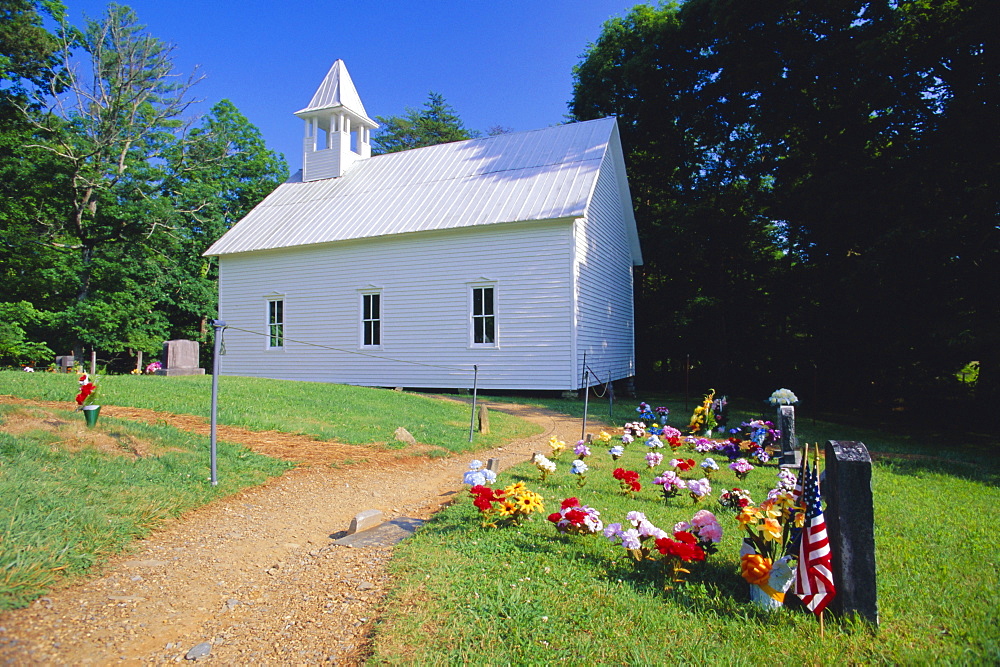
[526,595]
[354,415]
[63,511]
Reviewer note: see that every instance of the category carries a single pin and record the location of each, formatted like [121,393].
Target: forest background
[815,184]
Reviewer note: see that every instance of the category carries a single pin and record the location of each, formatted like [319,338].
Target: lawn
[72,496]
[528,595]
[348,414]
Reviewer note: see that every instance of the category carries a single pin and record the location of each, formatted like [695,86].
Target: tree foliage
[435,123]
[815,187]
[122,193]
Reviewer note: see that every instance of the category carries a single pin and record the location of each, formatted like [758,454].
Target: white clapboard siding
[603,270]
[424,281]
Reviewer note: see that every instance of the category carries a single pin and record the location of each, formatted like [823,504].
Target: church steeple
[338,130]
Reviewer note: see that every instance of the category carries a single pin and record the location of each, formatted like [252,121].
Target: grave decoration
[767,547]
[703,419]
[576,519]
[505,507]
[478,474]
[84,399]
[689,542]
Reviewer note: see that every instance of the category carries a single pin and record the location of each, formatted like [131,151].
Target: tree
[222,171]
[820,152]
[436,123]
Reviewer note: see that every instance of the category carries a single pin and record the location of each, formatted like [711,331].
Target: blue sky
[501,62]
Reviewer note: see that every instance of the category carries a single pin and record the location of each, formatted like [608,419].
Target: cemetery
[644,517]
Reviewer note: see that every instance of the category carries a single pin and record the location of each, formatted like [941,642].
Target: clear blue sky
[500,62]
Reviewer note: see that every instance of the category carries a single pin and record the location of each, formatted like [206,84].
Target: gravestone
[484,419]
[850,521]
[180,357]
[791,455]
[493,465]
[364,521]
[65,363]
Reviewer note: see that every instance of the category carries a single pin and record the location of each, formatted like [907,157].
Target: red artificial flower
[570,502]
[636,486]
[630,476]
[674,442]
[683,550]
[742,502]
[555,517]
[619,473]
[684,536]
[576,516]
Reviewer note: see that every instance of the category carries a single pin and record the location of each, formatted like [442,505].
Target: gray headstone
[790,453]
[64,362]
[402,435]
[180,357]
[493,465]
[484,419]
[365,520]
[850,522]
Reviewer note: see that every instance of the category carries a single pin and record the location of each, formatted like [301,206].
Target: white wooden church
[512,253]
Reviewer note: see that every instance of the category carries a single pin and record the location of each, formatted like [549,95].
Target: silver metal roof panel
[538,175]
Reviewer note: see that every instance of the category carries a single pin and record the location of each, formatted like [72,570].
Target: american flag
[814,574]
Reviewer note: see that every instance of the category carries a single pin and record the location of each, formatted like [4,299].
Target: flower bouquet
[576,519]
[478,474]
[84,399]
[699,489]
[628,480]
[764,555]
[783,397]
[579,468]
[504,507]
[671,483]
[741,467]
[690,542]
[557,445]
[703,419]
[544,465]
[735,499]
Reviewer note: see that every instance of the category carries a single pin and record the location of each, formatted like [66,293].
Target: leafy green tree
[820,152]
[222,171]
[436,123]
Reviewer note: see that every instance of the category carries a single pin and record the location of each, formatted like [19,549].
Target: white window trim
[470,287]
[362,292]
[268,299]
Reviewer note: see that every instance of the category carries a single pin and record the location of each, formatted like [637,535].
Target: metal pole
[687,380]
[475,387]
[611,398]
[586,401]
[219,325]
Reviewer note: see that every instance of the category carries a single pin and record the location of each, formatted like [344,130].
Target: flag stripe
[814,574]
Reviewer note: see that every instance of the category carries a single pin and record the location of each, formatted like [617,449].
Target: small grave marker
[365,520]
[493,465]
[850,518]
[484,419]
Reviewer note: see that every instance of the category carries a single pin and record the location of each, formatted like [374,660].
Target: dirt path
[255,575]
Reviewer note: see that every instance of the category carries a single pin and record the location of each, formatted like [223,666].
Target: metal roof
[336,90]
[537,175]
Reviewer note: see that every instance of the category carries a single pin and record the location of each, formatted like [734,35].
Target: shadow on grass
[914,466]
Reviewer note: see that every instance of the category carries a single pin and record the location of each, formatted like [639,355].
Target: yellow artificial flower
[748,515]
[771,530]
[515,488]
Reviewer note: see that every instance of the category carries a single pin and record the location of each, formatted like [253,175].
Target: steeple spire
[338,130]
